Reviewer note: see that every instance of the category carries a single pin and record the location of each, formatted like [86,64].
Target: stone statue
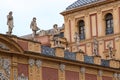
[10,23]
[57,42]
[77,40]
[110,53]
[95,46]
[33,26]
[76,37]
[56,30]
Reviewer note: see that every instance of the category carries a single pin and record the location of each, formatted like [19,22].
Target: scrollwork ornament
[62,67]
[6,66]
[31,62]
[38,63]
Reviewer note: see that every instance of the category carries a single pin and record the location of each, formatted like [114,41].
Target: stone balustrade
[79,56]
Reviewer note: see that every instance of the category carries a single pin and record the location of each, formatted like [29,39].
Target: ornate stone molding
[22,77]
[62,67]
[31,62]
[115,75]
[100,73]
[88,44]
[5,64]
[2,76]
[82,70]
[38,63]
[118,76]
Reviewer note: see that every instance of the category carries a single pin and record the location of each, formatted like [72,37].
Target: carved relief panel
[5,68]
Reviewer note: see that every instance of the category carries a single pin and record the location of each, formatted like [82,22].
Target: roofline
[86,7]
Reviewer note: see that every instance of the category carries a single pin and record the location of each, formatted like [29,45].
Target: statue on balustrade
[95,47]
[57,42]
[10,23]
[34,26]
[110,50]
[77,40]
[56,31]
[76,37]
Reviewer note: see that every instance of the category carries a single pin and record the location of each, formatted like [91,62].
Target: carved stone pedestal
[59,51]
[79,56]
[114,63]
[97,60]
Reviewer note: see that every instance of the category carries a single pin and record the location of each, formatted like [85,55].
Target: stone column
[31,69]
[99,76]
[14,68]
[38,69]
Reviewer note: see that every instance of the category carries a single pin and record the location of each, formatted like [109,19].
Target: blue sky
[46,12]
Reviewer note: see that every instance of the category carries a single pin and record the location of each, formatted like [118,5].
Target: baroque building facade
[85,48]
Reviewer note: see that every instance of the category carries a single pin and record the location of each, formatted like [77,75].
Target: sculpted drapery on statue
[33,26]
[77,40]
[95,47]
[10,23]
[110,49]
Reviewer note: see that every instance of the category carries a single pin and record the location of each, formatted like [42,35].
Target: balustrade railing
[89,59]
[70,55]
[48,51]
[105,63]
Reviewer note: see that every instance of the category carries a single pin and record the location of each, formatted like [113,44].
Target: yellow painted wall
[85,15]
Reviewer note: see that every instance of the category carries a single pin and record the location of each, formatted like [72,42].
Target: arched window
[109,24]
[81,29]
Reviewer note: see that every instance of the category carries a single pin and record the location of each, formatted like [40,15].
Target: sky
[47,13]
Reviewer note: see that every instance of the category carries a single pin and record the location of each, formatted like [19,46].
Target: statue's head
[10,13]
[34,18]
[55,26]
